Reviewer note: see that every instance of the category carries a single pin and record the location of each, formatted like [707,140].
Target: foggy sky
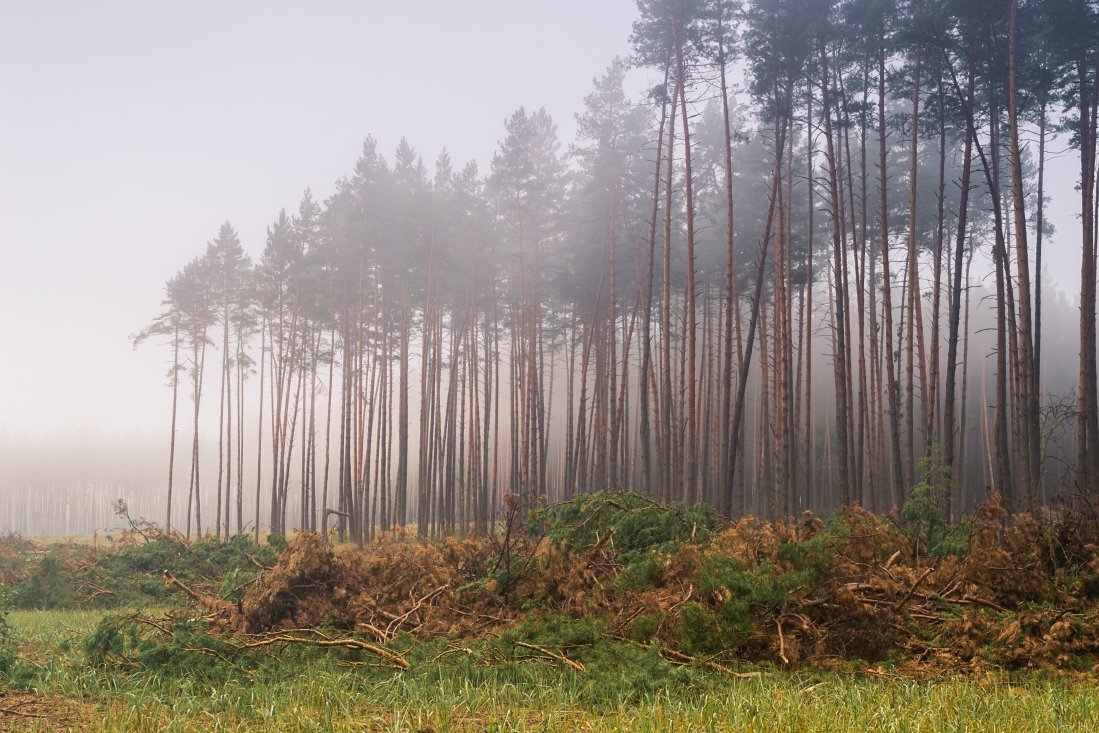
[131,130]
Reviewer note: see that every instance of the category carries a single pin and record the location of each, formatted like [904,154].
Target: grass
[313,692]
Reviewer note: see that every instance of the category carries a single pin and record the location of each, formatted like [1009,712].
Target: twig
[559,657]
[256,562]
[451,650]
[243,585]
[913,589]
[396,622]
[690,592]
[13,711]
[212,604]
[379,634]
[328,643]
[686,660]
[981,602]
[208,652]
[592,516]
[599,543]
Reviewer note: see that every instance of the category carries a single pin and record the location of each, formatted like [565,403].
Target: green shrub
[553,630]
[48,584]
[7,641]
[618,673]
[639,525]
[645,627]
[924,518]
[644,571]
[740,593]
[177,647]
[132,575]
[13,672]
[700,631]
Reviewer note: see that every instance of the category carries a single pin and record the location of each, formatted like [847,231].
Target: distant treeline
[765,305]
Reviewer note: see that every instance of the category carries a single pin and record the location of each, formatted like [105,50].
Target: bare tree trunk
[892,387]
[732,297]
[172,436]
[259,425]
[667,402]
[955,315]
[1029,408]
[753,319]
[843,483]
[645,439]
[690,487]
[1088,402]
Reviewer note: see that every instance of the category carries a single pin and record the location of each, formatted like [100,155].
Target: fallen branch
[452,650]
[397,659]
[781,643]
[981,602]
[20,713]
[559,657]
[212,604]
[912,590]
[685,660]
[395,624]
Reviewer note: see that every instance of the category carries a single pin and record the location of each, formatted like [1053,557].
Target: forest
[742,410]
[762,285]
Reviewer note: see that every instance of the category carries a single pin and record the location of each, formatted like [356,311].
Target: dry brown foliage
[14,554]
[389,586]
[860,589]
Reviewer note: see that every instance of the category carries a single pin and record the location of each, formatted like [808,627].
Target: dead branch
[913,589]
[393,657]
[685,660]
[559,657]
[212,604]
[20,713]
[892,559]
[397,621]
[452,650]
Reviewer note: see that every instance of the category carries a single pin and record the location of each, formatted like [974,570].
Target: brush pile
[912,593]
[998,591]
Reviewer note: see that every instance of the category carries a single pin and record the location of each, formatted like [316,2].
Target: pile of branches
[126,570]
[1003,592]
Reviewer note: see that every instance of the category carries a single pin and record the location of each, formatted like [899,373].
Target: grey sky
[130,130]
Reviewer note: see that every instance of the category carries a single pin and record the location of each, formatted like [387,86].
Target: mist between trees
[825,293]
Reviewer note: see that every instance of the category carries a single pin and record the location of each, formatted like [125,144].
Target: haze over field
[132,131]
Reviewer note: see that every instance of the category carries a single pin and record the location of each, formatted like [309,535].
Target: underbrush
[627,595]
[129,572]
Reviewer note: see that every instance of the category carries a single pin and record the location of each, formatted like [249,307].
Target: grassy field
[316,693]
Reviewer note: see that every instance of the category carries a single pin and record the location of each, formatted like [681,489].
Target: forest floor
[607,613]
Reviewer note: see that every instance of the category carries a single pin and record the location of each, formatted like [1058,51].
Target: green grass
[311,692]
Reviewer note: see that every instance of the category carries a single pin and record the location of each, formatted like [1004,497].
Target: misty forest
[765,370]
[807,298]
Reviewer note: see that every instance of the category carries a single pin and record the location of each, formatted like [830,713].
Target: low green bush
[923,515]
[7,640]
[638,524]
[131,575]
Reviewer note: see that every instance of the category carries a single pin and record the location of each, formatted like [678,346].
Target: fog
[132,130]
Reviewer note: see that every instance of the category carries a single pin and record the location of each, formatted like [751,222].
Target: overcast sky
[130,130]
